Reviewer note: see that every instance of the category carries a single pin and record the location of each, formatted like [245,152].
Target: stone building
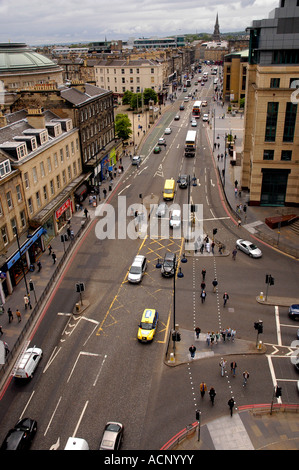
[270,168]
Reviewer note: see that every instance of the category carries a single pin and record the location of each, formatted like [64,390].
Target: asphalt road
[94,370]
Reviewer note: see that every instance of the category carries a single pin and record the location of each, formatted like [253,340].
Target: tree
[149,94]
[127,97]
[123,126]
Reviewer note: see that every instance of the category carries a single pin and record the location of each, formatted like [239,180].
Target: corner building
[270,168]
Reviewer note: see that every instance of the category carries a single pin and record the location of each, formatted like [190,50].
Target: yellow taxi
[148,325]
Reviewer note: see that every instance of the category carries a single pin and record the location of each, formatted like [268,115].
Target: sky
[37,22]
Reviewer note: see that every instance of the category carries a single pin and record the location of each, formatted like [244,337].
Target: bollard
[172,359]
[77,307]
[260,345]
[262,296]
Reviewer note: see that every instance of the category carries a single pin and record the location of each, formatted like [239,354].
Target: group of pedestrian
[203,389]
[11,317]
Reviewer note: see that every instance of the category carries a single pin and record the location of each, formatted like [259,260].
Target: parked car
[161,209]
[168,264]
[177,117]
[294,312]
[136,160]
[137,269]
[182,181]
[112,436]
[157,149]
[21,436]
[249,248]
[204,103]
[167,131]
[175,218]
[161,141]
[205,117]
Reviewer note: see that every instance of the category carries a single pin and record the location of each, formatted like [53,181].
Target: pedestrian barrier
[188,431]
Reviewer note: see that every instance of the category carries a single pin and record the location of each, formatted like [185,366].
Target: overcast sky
[61,21]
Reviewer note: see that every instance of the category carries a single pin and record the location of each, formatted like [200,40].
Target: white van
[27,363]
[75,443]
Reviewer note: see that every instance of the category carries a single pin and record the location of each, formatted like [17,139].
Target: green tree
[148,95]
[123,126]
[136,100]
[127,97]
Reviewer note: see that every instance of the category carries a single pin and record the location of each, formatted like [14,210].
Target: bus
[190,144]
[188,82]
[196,110]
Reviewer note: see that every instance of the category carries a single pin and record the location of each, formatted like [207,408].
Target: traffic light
[258,325]
[269,280]
[176,336]
[278,392]
[80,287]
[31,285]
[214,231]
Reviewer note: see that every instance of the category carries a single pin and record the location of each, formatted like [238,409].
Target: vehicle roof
[138,260]
[148,315]
[169,255]
[176,212]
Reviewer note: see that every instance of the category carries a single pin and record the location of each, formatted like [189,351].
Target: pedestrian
[197,332]
[223,334]
[233,334]
[214,284]
[18,313]
[1,331]
[212,394]
[203,389]
[212,338]
[203,285]
[6,348]
[10,315]
[212,247]
[236,192]
[208,338]
[228,333]
[86,212]
[245,377]
[39,264]
[201,248]
[231,403]
[192,350]
[217,336]
[222,364]
[26,301]
[220,249]
[203,296]
[233,366]
[234,253]
[239,223]
[105,192]
[203,273]
[225,298]
[236,183]
[54,257]
[50,249]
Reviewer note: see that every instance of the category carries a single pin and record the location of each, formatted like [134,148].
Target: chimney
[3,120]
[36,118]
[78,85]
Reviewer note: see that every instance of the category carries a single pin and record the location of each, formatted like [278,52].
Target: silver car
[161,209]
[137,269]
[249,248]
[112,436]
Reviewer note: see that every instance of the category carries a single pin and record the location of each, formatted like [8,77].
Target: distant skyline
[72,21]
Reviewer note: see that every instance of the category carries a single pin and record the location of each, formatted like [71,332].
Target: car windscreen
[135,270]
[146,326]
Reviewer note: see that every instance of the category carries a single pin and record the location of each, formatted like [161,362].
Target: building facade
[270,168]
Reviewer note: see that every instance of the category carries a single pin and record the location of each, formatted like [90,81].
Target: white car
[175,218]
[167,131]
[137,269]
[136,160]
[193,123]
[249,248]
[205,117]
[27,363]
[186,98]
[204,103]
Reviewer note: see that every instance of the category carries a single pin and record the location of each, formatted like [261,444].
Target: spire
[216,34]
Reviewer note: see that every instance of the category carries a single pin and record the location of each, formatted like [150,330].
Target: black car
[168,265]
[183,183]
[294,311]
[20,437]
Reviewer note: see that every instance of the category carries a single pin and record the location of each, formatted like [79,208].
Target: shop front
[63,214]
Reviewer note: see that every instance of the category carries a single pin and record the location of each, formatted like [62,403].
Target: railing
[175,440]
[14,350]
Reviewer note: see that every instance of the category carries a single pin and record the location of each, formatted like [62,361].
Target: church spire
[216,34]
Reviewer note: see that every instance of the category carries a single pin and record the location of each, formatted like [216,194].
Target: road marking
[80,419]
[81,353]
[53,414]
[278,330]
[95,382]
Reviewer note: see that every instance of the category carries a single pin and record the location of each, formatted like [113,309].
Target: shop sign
[63,208]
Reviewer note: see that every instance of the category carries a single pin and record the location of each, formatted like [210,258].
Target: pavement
[282,428]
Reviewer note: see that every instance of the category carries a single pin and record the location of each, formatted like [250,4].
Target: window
[55,160]
[13,223]
[1,210]
[274,82]
[30,206]
[61,155]
[9,200]
[72,148]
[268,155]
[34,174]
[23,219]
[74,168]
[45,193]
[49,164]
[69,171]
[5,168]
[4,235]
[286,155]
[58,181]
[42,169]
[271,122]
[67,152]
[52,187]
[38,199]
[26,178]
[64,177]
[19,194]
[289,123]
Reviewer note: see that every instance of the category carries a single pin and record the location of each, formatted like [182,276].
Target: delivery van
[169,190]
[27,363]
[75,443]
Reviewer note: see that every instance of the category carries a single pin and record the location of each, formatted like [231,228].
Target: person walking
[208,338]
[86,212]
[245,377]
[203,296]
[212,394]
[39,264]
[18,313]
[192,351]
[231,403]
[223,334]
[214,284]
[50,249]
[10,315]
[26,301]
[54,257]
[197,332]
[233,366]
[222,364]
[234,254]
[225,298]
[203,389]
[105,192]
[203,273]
[203,285]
